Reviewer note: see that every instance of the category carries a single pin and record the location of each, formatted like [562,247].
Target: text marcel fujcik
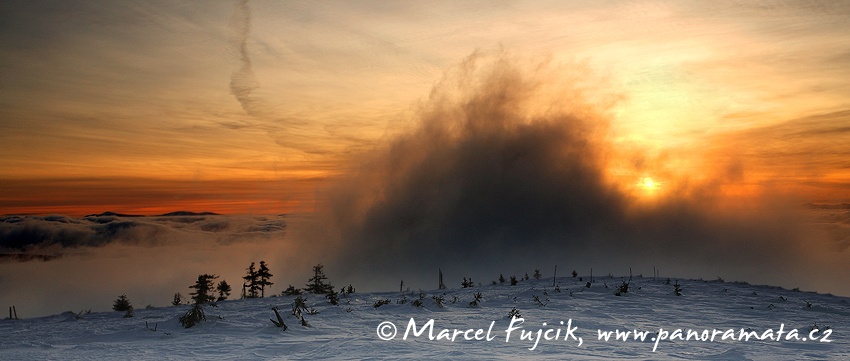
[568,332]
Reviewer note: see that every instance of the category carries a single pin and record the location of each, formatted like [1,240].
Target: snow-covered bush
[193,317]
[476,299]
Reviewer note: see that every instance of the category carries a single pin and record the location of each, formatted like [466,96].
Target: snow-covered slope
[241,329]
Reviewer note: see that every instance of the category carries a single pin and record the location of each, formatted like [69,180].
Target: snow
[241,329]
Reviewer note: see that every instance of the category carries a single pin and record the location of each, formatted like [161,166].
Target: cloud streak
[242,81]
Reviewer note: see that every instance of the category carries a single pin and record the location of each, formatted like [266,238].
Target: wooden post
[591,274]
[554,276]
[16,312]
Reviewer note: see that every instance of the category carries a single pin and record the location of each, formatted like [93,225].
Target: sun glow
[649,184]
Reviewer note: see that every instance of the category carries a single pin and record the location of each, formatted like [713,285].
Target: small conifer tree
[333,297]
[203,289]
[263,276]
[223,290]
[251,280]
[203,294]
[122,304]
[291,291]
[317,284]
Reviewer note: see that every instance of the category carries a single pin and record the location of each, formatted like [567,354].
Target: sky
[412,132]
[247,107]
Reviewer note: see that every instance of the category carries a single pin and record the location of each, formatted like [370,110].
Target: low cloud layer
[506,172]
[46,237]
[92,260]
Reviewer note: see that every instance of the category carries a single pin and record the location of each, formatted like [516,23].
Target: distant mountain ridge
[187,213]
[170,214]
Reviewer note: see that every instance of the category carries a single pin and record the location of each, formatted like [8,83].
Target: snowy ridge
[241,329]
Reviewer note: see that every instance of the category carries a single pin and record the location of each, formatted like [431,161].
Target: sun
[649,184]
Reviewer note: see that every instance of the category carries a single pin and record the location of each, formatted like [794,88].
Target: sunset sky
[148,107]
[389,139]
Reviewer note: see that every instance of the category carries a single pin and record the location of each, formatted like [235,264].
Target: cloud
[243,82]
[55,235]
[806,154]
[93,259]
[506,171]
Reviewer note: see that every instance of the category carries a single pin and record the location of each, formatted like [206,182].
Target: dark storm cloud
[55,234]
[500,175]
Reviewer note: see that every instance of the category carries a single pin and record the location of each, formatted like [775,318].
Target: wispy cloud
[805,155]
[243,82]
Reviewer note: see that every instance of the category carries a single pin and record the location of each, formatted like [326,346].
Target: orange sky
[144,107]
